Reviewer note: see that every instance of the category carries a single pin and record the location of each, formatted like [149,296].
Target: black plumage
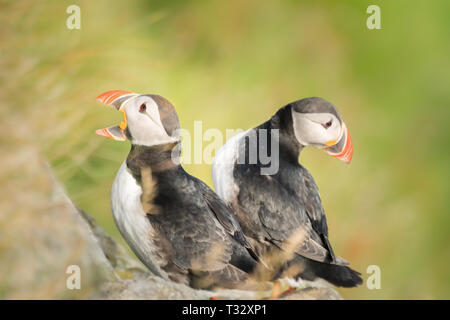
[198,237]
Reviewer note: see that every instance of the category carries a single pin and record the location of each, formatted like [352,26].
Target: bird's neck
[159,159]
[289,147]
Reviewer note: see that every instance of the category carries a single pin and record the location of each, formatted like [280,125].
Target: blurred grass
[232,64]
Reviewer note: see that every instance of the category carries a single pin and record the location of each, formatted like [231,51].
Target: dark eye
[142,108]
[328,124]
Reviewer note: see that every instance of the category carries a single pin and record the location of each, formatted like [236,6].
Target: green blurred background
[232,64]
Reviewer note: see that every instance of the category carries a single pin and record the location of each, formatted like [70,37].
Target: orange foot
[276,291]
[284,294]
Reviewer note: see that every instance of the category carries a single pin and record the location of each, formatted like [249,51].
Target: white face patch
[311,128]
[145,126]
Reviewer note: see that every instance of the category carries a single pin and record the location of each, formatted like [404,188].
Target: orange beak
[343,149]
[109,97]
[113,132]
[116,99]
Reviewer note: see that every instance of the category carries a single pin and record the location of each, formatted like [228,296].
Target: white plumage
[223,166]
[131,219]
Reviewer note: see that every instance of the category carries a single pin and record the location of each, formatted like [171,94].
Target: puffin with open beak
[274,209]
[175,224]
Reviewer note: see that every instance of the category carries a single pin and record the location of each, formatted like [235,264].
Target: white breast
[131,219]
[223,167]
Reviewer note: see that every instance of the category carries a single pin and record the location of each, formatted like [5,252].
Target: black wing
[312,203]
[190,239]
[227,218]
[280,213]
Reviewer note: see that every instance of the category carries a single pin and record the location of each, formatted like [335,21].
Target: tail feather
[340,276]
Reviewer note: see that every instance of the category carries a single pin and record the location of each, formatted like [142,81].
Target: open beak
[117,100]
[343,149]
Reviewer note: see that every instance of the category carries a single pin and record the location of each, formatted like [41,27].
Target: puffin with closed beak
[175,224]
[283,211]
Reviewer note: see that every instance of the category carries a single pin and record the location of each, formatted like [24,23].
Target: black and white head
[317,123]
[148,119]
